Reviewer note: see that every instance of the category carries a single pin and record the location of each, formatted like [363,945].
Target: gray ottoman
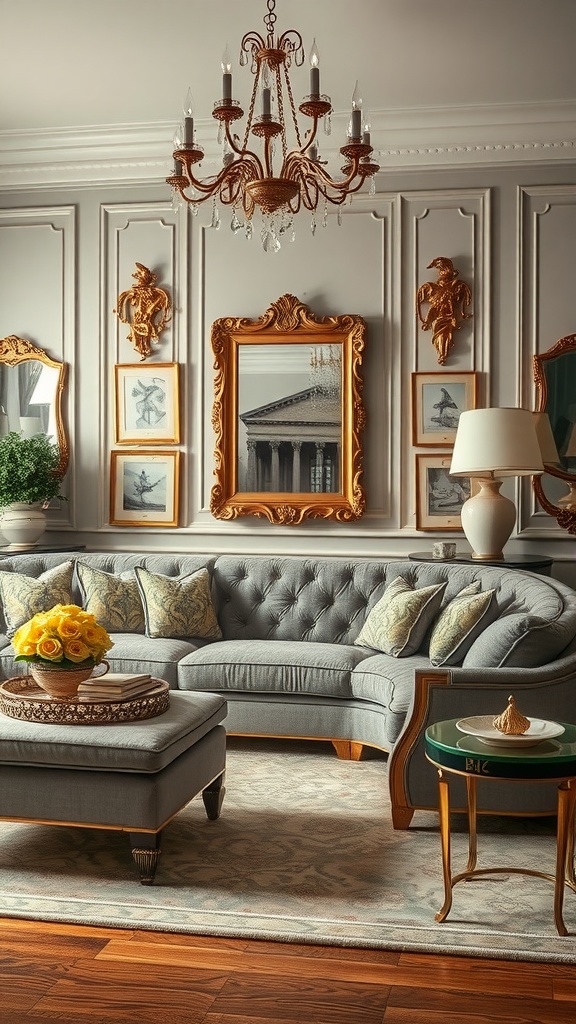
[131,777]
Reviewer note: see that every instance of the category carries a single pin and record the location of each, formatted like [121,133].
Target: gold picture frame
[288,415]
[438,398]
[144,488]
[147,403]
[439,496]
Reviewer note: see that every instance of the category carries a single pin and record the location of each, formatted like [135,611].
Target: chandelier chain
[270,19]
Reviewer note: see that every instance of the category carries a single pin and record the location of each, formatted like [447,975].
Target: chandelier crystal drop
[248,181]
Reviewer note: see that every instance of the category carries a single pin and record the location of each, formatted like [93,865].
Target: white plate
[481,727]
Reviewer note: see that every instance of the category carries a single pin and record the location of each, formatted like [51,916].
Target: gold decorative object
[511,722]
[147,308]
[298,455]
[555,379]
[22,698]
[34,371]
[448,300]
[246,180]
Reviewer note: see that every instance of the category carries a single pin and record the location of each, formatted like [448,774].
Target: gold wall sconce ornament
[146,308]
[448,299]
[246,178]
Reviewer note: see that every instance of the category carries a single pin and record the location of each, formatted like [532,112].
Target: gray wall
[493,188]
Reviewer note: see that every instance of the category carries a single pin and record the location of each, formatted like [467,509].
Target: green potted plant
[28,479]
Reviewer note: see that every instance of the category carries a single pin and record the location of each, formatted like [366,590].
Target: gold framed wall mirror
[555,379]
[31,387]
[288,415]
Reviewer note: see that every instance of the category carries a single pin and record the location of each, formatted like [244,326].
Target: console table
[453,752]
[6,551]
[540,564]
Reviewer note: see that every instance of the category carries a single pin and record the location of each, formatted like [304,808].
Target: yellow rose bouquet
[65,635]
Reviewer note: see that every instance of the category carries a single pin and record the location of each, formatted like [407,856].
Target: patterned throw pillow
[178,606]
[113,600]
[458,625]
[397,624]
[24,596]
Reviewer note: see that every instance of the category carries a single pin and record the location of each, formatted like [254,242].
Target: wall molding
[406,138]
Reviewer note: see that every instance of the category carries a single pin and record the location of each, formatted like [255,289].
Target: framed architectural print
[147,403]
[144,488]
[439,496]
[437,401]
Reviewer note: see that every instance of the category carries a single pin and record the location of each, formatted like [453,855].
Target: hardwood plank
[119,995]
[274,999]
[245,961]
[356,953]
[565,988]
[11,924]
[25,979]
[473,1008]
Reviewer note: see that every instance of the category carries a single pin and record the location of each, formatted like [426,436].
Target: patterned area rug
[304,851]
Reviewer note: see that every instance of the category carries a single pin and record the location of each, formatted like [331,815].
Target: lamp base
[488,519]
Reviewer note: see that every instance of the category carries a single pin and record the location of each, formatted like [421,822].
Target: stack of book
[116,686]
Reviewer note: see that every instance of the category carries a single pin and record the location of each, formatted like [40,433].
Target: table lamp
[492,444]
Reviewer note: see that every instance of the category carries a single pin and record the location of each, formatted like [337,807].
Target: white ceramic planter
[22,524]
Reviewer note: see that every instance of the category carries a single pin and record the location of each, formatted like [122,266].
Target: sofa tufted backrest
[328,599]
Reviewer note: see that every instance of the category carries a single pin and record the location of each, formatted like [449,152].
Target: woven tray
[21,697]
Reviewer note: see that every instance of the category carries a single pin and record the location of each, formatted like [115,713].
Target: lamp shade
[496,443]
[548,449]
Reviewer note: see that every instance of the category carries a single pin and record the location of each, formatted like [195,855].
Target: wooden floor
[77,975]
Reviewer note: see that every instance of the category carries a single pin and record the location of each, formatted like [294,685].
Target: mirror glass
[290,442]
[288,415]
[31,385]
[555,378]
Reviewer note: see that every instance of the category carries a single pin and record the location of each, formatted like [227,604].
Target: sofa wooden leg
[213,797]
[145,854]
[402,816]
[348,751]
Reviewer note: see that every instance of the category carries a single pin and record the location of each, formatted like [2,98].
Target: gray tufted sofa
[288,666]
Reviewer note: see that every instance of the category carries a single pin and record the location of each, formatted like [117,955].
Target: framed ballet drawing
[147,403]
[144,488]
[439,496]
[438,399]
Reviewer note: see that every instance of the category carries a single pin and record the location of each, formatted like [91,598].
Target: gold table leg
[564,850]
[472,834]
[444,815]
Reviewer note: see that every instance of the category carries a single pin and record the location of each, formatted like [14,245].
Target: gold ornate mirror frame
[288,415]
[43,382]
[555,379]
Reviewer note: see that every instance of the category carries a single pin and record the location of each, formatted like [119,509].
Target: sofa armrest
[545,692]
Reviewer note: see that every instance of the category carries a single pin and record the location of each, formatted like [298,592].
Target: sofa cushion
[113,600]
[23,596]
[398,622]
[271,666]
[460,621]
[178,606]
[146,746]
[388,681]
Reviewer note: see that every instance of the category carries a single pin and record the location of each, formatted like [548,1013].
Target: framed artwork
[437,401]
[147,403]
[439,496]
[144,488]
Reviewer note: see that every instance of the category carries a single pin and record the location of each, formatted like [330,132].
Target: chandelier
[247,181]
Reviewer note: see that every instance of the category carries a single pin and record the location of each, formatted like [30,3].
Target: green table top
[555,758]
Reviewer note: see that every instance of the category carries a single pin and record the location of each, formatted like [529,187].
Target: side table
[540,564]
[453,752]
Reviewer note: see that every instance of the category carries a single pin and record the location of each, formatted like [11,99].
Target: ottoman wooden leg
[213,797]
[145,853]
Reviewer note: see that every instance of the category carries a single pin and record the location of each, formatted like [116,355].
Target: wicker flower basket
[62,682]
